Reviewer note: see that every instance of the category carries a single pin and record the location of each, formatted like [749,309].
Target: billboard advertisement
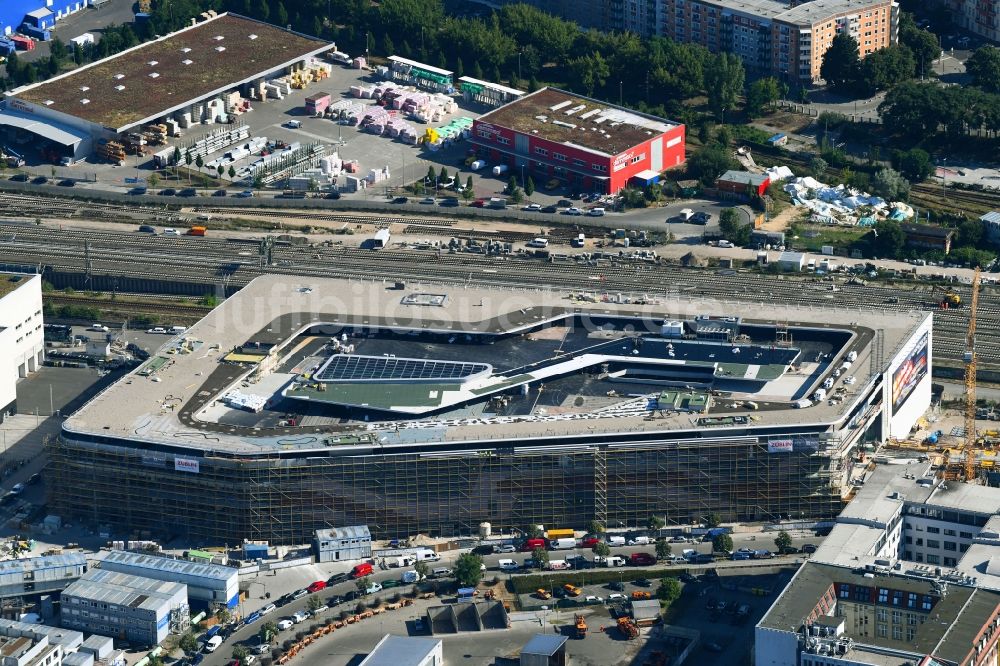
[909,373]
[186,465]
[780,446]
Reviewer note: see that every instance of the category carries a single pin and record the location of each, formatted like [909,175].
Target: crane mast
[970,383]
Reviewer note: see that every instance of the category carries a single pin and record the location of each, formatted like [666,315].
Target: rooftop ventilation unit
[186,61]
[563,123]
[84,101]
[49,102]
[153,63]
[84,88]
[218,38]
[119,76]
[575,109]
[590,114]
[220,49]
[154,75]
[186,49]
[119,88]
[560,105]
[253,36]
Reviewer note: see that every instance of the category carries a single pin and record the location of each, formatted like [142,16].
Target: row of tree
[923,111]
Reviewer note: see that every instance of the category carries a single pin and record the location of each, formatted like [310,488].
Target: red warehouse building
[589,145]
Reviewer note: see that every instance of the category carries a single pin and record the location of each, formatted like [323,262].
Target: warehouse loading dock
[69,142]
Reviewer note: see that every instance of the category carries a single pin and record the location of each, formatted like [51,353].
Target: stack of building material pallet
[111,151]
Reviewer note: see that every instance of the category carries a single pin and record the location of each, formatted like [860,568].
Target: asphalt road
[248,634]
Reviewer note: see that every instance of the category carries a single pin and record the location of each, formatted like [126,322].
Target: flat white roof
[492,86]
[424,66]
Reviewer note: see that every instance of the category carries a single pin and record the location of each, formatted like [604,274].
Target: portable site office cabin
[381,239]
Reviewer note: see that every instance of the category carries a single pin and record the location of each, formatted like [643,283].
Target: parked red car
[590,542]
[641,559]
[479,203]
[317,586]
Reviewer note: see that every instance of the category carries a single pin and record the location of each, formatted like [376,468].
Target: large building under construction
[307,403]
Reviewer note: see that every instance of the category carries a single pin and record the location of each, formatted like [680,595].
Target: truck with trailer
[40,34]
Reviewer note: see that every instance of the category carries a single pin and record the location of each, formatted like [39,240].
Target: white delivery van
[293,124]
[639,541]
[213,643]
[685,214]
[427,555]
[616,541]
[562,544]
[538,242]
[477,165]
[614,561]
[558,565]
[507,565]
[500,169]
[819,395]
[177,329]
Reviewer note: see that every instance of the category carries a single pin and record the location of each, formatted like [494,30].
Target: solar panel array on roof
[382,368]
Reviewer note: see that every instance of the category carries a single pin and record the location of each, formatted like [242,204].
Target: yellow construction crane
[970,383]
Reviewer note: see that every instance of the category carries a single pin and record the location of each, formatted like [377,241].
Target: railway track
[214,260]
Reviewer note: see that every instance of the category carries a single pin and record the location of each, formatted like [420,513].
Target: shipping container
[38,33]
[22,43]
[197,231]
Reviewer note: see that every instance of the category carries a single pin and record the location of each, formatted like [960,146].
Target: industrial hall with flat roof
[177,75]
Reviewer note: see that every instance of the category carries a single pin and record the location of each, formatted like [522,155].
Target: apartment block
[779,39]
[977,16]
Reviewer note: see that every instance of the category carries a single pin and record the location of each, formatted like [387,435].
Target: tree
[533,84]
[388,48]
[529,186]
[733,227]
[662,549]
[188,642]
[841,63]
[713,520]
[431,175]
[595,527]
[511,185]
[984,68]
[467,193]
[477,70]
[362,584]
[223,616]
[587,73]
[154,180]
[57,50]
[199,162]
[177,155]
[890,184]
[655,523]
[541,557]
[722,543]
[761,93]
[708,163]
[220,170]
[443,175]
[669,590]
[240,653]
[724,77]
[886,68]
[468,569]
[262,10]
[783,541]
[915,164]
[232,172]
[602,549]
[267,631]
[817,166]
[281,15]
[313,602]
[517,196]
[422,569]
[889,239]
[970,233]
[922,44]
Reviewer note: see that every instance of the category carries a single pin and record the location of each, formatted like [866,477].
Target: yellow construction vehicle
[949,298]
[581,626]
[628,628]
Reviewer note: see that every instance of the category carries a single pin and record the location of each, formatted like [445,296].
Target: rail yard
[125,261]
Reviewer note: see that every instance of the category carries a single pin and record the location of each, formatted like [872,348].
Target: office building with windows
[908,574]
[22,347]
